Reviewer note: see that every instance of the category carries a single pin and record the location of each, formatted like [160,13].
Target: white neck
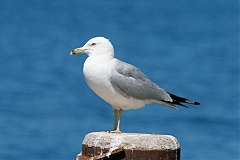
[102,57]
[109,53]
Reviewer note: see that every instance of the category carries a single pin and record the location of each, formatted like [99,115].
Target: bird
[121,84]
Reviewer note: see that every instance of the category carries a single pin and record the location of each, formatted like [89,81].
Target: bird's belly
[107,93]
[104,89]
[98,80]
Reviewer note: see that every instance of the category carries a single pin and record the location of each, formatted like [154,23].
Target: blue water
[190,48]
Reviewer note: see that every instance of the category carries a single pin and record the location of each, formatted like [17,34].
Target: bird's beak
[77,51]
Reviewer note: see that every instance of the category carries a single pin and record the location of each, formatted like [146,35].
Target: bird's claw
[115,131]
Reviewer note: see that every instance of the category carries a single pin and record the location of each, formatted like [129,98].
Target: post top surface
[131,141]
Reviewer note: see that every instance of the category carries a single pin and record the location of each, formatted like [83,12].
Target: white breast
[97,72]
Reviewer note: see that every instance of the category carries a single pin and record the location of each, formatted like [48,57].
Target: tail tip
[196,103]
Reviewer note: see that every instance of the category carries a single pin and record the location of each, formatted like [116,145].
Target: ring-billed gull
[120,84]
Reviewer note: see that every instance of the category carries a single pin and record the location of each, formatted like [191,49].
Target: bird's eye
[93,44]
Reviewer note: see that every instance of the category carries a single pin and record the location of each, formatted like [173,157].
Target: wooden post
[129,146]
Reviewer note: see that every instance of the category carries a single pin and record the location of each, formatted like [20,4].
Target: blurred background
[190,48]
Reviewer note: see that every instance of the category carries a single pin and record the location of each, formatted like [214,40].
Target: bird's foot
[116,131]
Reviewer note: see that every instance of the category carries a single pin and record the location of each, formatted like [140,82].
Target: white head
[96,46]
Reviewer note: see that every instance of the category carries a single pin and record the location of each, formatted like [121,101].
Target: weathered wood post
[129,146]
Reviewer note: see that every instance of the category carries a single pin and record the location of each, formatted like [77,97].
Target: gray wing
[131,82]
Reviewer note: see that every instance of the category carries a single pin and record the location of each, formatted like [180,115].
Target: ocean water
[190,48]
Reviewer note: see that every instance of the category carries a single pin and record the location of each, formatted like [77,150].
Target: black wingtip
[183,105]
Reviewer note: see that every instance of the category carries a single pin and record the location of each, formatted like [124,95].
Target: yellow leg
[117,130]
[119,119]
[115,119]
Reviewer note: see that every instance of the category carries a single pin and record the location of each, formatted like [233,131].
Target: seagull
[120,84]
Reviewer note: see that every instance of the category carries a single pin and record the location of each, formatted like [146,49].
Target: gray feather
[129,81]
